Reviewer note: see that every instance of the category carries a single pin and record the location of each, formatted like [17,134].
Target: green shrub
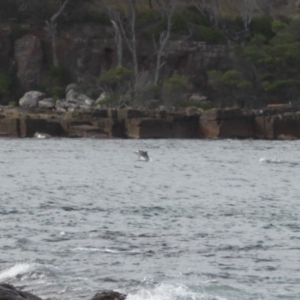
[208,35]
[179,23]
[231,77]
[176,82]
[57,93]
[115,76]
[59,76]
[5,83]
[147,17]
[278,84]
[214,77]
[54,83]
[19,32]
[97,17]
[233,24]
[195,17]
[278,26]
[158,28]
[263,26]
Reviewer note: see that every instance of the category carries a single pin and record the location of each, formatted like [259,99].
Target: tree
[210,7]
[168,8]
[52,30]
[247,10]
[118,42]
[125,25]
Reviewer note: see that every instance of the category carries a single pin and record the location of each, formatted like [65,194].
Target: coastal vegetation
[262,41]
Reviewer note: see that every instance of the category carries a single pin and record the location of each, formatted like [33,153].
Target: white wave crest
[170,292]
[18,269]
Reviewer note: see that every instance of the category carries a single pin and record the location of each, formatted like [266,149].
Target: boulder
[197,98]
[77,98]
[29,57]
[31,99]
[71,86]
[109,295]
[102,99]
[46,103]
[9,292]
[60,104]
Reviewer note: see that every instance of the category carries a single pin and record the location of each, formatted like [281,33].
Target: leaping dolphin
[143,155]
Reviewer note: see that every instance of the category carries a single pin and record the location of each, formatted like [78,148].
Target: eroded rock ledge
[9,292]
[276,122]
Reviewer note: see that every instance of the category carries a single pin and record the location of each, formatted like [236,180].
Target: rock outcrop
[227,123]
[29,58]
[109,295]
[151,124]
[9,292]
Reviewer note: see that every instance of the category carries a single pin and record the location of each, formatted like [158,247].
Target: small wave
[87,249]
[16,270]
[276,160]
[270,160]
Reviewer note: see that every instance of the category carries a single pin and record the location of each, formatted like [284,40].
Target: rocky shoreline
[9,292]
[276,122]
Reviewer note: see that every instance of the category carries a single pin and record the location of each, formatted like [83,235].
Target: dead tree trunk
[210,7]
[247,8]
[159,47]
[118,42]
[52,31]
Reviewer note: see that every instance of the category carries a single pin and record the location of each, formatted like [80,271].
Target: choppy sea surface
[209,220]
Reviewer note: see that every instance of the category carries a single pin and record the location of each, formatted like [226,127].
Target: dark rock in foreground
[109,295]
[9,292]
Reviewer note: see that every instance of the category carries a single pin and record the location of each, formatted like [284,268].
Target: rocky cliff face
[87,50]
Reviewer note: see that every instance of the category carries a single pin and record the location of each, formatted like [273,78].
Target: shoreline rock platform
[271,123]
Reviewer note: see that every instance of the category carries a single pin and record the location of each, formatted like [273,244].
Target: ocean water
[209,220]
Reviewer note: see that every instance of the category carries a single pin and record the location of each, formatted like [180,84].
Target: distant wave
[106,250]
[276,160]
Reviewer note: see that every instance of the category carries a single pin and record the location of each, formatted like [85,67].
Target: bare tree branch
[208,6]
[169,9]
[52,30]
[247,8]
[118,42]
